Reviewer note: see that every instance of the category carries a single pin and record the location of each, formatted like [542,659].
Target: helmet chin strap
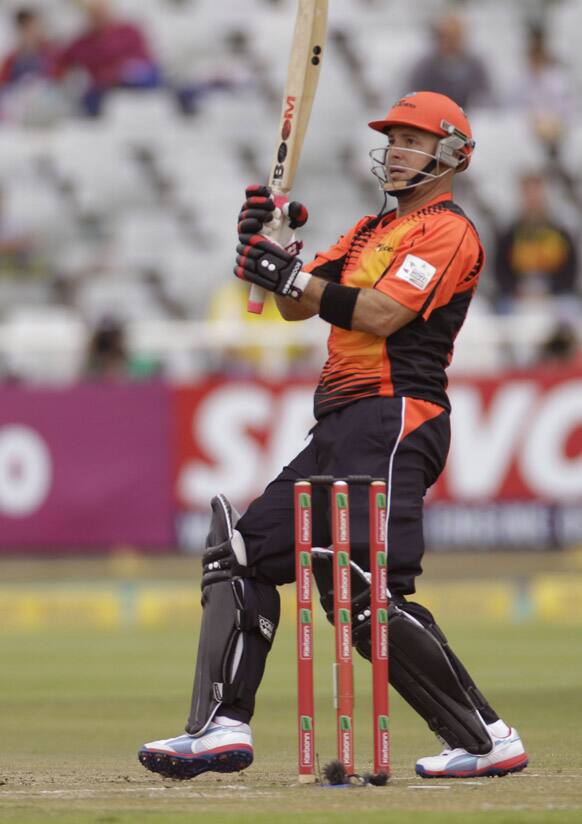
[418,179]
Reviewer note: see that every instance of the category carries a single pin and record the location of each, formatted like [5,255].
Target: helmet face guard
[449,153]
[418,177]
[435,114]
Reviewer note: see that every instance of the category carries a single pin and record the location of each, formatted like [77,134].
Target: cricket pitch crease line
[180,790]
[219,792]
[429,787]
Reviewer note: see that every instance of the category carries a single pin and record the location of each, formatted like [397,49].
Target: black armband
[337,304]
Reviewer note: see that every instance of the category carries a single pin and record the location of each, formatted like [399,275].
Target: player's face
[409,151]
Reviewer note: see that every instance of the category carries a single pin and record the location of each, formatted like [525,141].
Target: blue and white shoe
[221,748]
[507,756]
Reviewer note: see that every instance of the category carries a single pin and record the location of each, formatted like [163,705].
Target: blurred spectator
[544,92]
[27,74]
[17,244]
[112,53]
[535,256]
[562,346]
[108,357]
[450,68]
[229,303]
[33,54]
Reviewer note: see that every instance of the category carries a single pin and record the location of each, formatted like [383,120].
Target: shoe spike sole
[171,766]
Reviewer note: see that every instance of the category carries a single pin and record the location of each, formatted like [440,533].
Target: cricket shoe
[222,749]
[506,756]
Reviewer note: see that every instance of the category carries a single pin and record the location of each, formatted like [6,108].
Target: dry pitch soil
[102,794]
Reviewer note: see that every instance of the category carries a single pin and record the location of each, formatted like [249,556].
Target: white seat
[124,298]
[100,165]
[35,207]
[390,50]
[498,133]
[143,239]
[17,292]
[229,117]
[571,148]
[564,22]
[6,34]
[19,148]
[135,114]
[44,344]
[191,274]
[180,36]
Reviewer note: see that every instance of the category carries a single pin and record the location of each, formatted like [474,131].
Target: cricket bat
[302,77]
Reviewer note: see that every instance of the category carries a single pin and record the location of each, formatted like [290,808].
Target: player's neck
[420,196]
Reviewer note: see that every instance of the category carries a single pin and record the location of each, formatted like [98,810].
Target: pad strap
[236,695]
[219,563]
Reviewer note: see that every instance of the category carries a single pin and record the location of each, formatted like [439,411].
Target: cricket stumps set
[342,608]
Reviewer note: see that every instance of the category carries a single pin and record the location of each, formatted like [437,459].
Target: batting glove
[269,265]
[263,212]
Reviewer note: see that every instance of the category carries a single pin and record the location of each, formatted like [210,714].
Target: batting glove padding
[297,214]
[261,209]
[269,265]
[257,209]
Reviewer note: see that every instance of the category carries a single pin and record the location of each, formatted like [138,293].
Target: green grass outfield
[75,706]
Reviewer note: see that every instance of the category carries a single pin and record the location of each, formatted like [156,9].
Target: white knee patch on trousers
[238,547]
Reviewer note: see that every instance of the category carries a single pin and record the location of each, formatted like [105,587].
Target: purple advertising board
[85,467]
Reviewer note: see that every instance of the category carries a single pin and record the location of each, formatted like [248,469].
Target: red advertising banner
[518,437]
[234,436]
[85,467]
[94,466]
[514,473]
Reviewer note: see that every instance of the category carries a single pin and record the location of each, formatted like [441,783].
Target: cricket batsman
[395,290]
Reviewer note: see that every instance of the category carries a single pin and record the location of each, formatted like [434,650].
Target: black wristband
[337,304]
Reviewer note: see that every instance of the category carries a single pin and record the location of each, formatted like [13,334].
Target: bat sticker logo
[288,117]
[286,129]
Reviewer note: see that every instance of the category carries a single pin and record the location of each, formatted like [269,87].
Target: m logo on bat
[286,129]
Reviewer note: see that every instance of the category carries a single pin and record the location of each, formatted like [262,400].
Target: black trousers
[402,440]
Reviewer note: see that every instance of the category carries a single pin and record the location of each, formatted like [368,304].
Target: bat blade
[303,72]
[302,78]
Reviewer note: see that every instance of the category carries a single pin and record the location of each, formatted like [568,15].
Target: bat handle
[257,294]
[256,300]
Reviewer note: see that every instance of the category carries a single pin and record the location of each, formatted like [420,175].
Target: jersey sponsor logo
[416,271]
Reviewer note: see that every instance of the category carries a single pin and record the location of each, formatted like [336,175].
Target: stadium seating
[145,187]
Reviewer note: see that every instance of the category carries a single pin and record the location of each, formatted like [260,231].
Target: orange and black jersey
[430,262]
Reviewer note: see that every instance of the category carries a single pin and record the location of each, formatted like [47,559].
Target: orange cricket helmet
[439,115]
